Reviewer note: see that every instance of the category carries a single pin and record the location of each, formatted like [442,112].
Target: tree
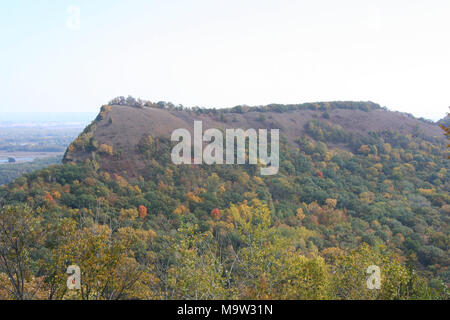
[397,281]
[20,236]
[106,149]
[269,267]
[142,212]
[447,133]
[196,272]
[109,270]
[215,213]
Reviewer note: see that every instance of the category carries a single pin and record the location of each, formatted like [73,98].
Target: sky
[224,53]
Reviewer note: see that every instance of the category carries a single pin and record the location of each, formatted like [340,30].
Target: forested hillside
[358,185]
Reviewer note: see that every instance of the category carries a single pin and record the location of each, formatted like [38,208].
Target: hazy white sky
[224,53]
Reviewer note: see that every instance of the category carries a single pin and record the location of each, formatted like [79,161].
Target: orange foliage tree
[142,212]
[215,213]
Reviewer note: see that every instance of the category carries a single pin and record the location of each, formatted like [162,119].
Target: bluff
[114,137]
[357,185]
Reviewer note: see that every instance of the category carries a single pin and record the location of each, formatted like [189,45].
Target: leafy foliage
[224,232]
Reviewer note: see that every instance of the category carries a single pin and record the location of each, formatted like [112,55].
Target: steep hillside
[357,186]
[122,127]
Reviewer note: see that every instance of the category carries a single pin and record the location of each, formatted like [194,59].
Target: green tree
[20,236]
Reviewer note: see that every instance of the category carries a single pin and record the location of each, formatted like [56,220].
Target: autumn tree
[197,272]
[109,269]
[270,267]
[20,236]
[142,212]
[396,280]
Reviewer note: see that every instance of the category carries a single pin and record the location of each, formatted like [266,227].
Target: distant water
[18,159]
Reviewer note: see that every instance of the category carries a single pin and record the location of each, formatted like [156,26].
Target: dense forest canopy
[341,201]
